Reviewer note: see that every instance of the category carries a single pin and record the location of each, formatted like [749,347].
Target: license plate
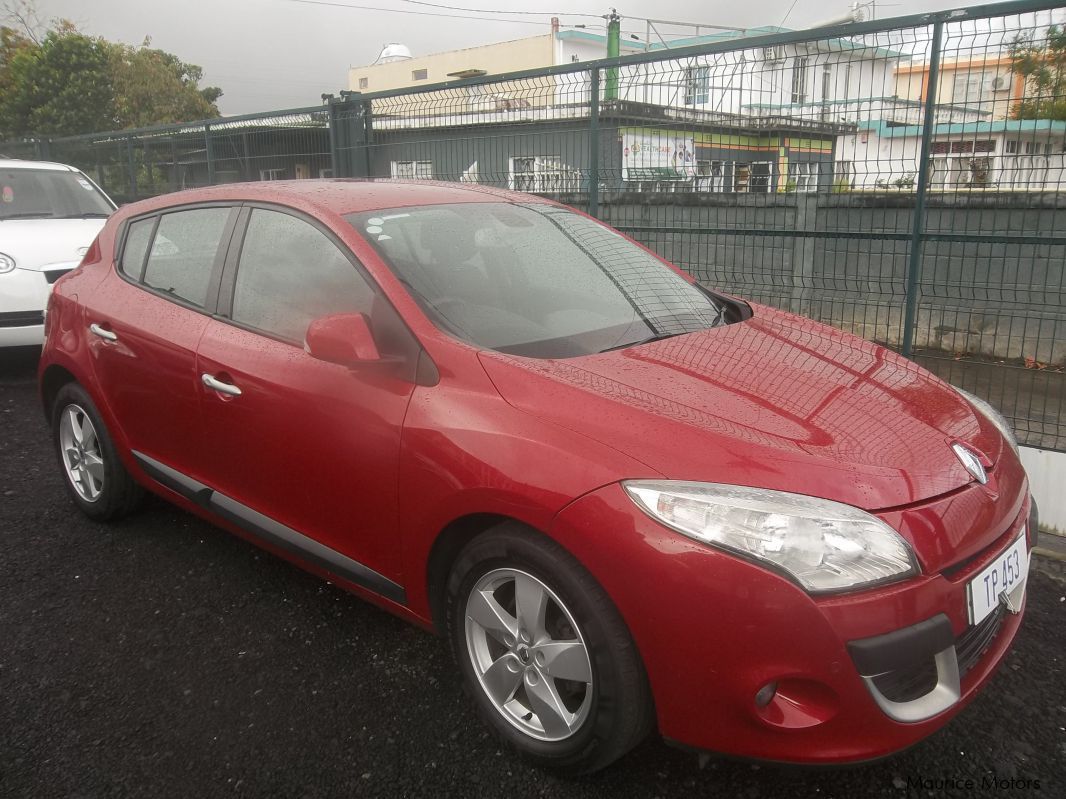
[998,581]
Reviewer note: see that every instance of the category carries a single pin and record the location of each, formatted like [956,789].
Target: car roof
[339,195]
[19,163]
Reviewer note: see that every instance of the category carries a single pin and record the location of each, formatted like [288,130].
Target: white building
[1004,154]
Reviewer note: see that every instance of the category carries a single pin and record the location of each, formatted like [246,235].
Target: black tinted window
[183,252]
[136,246]
[290,274]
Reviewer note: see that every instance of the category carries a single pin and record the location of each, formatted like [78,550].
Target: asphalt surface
[163,657]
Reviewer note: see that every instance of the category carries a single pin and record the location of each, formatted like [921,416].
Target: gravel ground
[163,657]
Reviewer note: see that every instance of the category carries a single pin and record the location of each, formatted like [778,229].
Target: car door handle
[103,333]
[219,386]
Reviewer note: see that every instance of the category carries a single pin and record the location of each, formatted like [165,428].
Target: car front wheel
[544,653]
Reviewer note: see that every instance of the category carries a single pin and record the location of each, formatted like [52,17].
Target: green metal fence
[902,179]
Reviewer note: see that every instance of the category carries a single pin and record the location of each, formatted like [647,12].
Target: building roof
[888,100]
[830,45]
[989,127]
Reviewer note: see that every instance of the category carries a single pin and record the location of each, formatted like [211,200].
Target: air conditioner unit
[1000,83]
[773,55]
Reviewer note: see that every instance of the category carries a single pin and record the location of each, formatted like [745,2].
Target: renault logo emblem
[972,463]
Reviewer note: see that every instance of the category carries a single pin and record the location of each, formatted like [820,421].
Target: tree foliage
[65,82]
[155,87]
[1042,63]
[59,87]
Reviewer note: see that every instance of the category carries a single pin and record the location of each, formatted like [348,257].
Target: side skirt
[271,531]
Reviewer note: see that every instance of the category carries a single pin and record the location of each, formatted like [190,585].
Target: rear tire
[92,472]
[544,653]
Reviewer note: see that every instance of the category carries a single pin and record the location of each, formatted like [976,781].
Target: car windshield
[534,279]
[49,194]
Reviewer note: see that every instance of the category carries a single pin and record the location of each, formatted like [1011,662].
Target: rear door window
[290,273]
[182,256]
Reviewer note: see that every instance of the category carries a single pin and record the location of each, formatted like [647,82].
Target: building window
[827,83]
[539,173]
[1011,145]
[272,174]
[799,80]
[802,176]
[419,74]
[364,82]
[967,88]
[697,85]
[710,176]
[416,170]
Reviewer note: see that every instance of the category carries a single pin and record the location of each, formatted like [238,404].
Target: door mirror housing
[343,339]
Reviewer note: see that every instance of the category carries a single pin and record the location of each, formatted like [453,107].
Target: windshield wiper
[638,342]
[90,215]
[27,215]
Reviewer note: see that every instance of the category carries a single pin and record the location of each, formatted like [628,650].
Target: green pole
[614,49]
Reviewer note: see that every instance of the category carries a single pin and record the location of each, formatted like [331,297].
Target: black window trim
[217,267]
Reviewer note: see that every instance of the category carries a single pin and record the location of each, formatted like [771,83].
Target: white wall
[1047,479]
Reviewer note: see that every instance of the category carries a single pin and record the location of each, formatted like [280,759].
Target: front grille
[52,275]
[21,318]
[906,685]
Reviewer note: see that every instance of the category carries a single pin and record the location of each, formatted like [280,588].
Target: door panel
[143,345]
[311,445]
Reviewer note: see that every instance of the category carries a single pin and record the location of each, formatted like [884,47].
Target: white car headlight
[994,416]
[7,263]
[824,546]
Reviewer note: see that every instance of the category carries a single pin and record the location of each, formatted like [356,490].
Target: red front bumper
[714,629]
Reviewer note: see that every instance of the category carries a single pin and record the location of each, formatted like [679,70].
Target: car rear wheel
[544,653]
[94,476]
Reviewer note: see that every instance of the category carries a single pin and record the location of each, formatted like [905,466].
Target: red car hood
[778,402]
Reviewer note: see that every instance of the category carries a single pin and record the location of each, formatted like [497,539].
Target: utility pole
[614,49]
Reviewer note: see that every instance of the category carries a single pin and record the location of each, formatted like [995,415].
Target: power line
[495,11]
[410,11]
[788,13]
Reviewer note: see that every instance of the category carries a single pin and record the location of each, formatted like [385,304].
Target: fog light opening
[766,694]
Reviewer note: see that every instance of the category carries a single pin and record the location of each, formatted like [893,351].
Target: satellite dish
[393,52]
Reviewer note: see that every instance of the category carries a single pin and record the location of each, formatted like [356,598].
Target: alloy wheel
[80,450]
[528,654]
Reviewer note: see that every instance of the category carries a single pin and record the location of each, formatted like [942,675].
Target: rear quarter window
[136,247]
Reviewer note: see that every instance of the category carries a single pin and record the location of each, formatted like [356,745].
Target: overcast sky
[271,54]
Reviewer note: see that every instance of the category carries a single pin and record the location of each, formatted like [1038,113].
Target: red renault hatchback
[630,502]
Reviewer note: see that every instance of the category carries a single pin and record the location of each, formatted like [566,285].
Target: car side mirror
[343,339]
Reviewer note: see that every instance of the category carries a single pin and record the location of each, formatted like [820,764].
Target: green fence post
[210,153]
[594,143]
[367,116]
[914,262]
[133,169]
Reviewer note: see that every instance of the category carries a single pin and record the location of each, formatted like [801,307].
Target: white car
[49,215]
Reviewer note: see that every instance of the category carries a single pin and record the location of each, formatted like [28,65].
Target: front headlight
[7,263]
[994,416]
[824,546]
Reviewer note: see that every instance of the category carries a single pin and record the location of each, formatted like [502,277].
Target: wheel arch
[446,548]
[52,381]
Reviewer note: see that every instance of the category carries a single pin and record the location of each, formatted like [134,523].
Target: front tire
[544,653]
[93,474]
